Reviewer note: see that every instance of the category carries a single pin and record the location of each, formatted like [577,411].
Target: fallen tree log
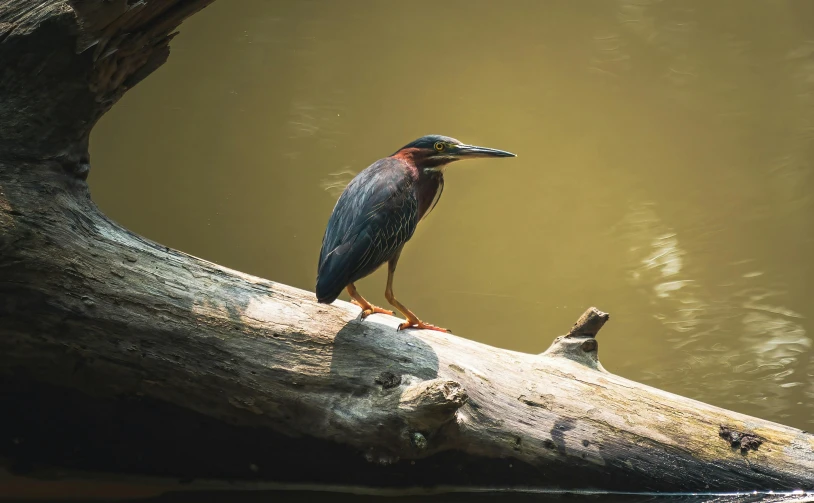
[121,355]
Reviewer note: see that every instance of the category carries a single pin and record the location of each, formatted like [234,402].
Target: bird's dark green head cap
[449,149]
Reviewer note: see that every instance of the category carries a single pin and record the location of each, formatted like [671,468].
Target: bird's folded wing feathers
[372,220]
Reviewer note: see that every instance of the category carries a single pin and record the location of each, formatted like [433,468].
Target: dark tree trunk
[120,355]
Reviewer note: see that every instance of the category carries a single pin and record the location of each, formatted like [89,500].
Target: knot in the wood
[419,441]
[429,404]
[580,344]
[742,440]
[589,345]
[388,380]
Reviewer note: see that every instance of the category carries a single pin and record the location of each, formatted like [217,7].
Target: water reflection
[496,497]
[753,348]
[658,261]
[335,183]
[164,491]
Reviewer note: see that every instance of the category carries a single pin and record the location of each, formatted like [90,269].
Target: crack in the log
[544,401]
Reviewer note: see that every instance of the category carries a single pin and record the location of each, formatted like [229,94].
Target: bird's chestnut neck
[423,160]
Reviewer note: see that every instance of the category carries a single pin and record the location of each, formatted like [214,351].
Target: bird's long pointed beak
[473,151]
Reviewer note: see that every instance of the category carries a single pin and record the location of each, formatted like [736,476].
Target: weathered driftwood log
[118,354]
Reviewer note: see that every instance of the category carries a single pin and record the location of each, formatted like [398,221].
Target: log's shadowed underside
[120,355]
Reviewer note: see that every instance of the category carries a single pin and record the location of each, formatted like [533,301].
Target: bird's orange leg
[367,307]
[412,319]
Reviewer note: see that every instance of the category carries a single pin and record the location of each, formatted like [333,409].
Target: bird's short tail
[328,287]
[333,273]
[326,299]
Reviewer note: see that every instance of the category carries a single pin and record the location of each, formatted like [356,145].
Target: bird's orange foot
[369,309]
[421,325]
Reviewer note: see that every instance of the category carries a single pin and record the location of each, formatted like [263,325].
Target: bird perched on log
[378,213]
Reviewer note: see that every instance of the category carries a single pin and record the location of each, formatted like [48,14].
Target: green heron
[377,214]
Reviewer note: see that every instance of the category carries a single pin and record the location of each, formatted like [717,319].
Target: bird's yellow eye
[439,146]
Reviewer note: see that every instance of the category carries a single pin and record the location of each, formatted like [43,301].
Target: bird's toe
[421,326]
[369,309]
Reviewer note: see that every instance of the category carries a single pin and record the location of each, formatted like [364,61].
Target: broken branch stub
[580,344]
[589,324]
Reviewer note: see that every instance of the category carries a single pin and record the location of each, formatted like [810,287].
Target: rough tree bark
[121,355]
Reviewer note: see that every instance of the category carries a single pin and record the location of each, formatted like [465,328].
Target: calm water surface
[664,169]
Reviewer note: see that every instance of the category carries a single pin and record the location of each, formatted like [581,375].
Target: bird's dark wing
[373,218]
